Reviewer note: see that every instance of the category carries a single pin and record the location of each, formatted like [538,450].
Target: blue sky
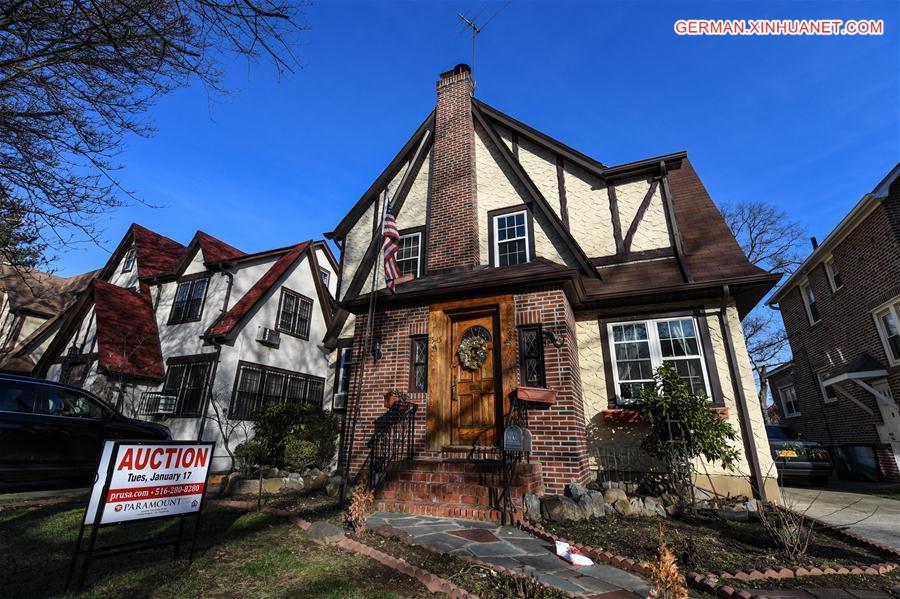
[808,123]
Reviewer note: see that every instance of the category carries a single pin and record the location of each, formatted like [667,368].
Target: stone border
[706,582]
[403,537]
[432,582]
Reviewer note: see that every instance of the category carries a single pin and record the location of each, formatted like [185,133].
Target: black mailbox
[516,438]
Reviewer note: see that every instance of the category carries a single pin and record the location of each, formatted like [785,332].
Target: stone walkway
[511,548]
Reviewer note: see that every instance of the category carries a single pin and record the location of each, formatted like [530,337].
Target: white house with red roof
[193,335]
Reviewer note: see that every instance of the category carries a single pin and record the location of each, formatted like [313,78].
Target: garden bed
[707,544]
[480,580]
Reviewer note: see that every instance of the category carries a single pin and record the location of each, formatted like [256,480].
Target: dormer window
[188,304]
[809,300]
[512,237]
[128,261]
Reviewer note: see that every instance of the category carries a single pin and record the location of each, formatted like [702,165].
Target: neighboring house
[580,277]
[190,336]
[841,311]
[33,303]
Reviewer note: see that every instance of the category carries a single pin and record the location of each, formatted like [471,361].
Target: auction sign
[140,480]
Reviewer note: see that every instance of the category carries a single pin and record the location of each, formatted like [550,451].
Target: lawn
[240,554]
[705,544]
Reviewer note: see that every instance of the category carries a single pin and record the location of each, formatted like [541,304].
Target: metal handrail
[392,442]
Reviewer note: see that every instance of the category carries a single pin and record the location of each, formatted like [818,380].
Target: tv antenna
[471,23]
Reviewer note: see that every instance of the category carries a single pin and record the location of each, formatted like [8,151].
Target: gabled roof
[228,323]
[40,292]
[156,254]
[213,250]
[127,336]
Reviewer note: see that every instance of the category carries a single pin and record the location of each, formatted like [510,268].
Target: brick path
[824,593]
[514,549]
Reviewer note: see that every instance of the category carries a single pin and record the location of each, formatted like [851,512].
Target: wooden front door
[474,394]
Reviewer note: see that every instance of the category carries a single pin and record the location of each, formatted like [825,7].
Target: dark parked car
[52,434]
[798,459]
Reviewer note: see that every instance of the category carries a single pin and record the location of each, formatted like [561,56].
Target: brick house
[579,277]
[841,311]
[177,334]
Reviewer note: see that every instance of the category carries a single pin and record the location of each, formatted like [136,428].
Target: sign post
[143,480]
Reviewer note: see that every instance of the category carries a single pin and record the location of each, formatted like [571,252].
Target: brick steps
[453,488]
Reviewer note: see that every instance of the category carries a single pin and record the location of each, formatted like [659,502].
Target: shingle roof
[216,250]
[127,336]
[228,321]
[156,254]
[39,292]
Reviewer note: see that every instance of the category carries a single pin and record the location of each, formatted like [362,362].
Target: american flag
[391,245]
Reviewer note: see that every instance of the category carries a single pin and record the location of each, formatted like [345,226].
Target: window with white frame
[829,393]
[888,321]
[325,276]
[789,404]
[639,347]
[511,243]
[834,274]
[809,301]
[342,378]
[128,261]
[409,254]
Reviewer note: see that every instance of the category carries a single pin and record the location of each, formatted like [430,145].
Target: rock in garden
[613,495]
[333,487]
[272,485]
[650,505]
[594,485]
[592,505]
[295,476]
[314,479]
[752,506]
[324,532]
[661,511]
[631,488]
[609,484]
[294,484]
[638,505]
[244,486]
[558,508]
[733,515]
[272,473]
[669,499]
[576,491]
[532,504]
[623,507]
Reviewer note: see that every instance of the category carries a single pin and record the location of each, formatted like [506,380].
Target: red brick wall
[869,261]
[453,212]
[559,441]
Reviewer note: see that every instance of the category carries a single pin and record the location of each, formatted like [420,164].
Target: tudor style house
[841,311]
[191,335]
[575,278]
[31,307]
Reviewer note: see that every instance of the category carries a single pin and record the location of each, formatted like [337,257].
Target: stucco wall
[652,232]
[590,221]
[124,279]
[498,188]
[625,439]
[415,207]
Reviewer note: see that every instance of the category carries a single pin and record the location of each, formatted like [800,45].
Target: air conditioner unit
[166,404]
[269,337]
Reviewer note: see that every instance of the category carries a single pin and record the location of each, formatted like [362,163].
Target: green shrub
[248,455]
[300,454]
[275,425]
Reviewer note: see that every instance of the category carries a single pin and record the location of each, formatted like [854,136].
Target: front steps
[454,488]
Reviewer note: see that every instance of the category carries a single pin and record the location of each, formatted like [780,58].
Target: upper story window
[639,347]
[809,301]
[888,323]
[409,256]
[829,394]
[511,237]
[418,366]
[325,276]
[789,404]
[531,356]
[342,378]
[834,274]
[128,261]
[294,314]
[189,298]
[187,382]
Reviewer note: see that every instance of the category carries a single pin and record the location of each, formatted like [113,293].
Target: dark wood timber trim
[515,145]
[362,271]
[715,385]
[529,222]
[645,203]
[561,184]
[616,221]
[537,199]
[633,257]
[325,300]
[647,166]
[193,359]
[340,232]
[672,221]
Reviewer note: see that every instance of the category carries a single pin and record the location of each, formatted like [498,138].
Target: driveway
[876,518]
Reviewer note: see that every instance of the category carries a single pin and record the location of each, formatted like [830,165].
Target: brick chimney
[453,220]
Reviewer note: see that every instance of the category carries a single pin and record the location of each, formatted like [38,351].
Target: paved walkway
[515,549]
[873,517]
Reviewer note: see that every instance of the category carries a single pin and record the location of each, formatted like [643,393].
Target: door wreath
[472,352]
